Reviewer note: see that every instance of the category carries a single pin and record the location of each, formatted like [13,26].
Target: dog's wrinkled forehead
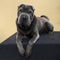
[25,7]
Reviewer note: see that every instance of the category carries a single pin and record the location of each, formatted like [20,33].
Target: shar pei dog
[30,26]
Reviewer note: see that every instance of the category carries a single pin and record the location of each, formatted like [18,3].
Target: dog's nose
[24,17]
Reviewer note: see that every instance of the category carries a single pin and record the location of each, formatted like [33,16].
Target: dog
[30,26]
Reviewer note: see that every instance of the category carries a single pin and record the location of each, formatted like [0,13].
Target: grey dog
[30,26]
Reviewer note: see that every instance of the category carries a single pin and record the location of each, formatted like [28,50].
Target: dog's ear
[21,6]
[32,8]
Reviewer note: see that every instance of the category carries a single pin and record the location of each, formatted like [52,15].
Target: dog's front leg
[19,44]
[31,43]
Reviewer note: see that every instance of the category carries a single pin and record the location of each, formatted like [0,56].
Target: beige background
[8,14]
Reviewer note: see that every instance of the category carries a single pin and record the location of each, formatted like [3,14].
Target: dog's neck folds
[29,29]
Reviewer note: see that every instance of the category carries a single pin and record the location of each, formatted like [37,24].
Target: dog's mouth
[24,25]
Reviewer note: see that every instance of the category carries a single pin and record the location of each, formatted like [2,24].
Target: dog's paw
[28,53]
[22,51]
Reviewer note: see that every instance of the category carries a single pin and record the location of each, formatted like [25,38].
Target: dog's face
[25,15]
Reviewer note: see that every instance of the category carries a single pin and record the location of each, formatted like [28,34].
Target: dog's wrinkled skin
[30,26]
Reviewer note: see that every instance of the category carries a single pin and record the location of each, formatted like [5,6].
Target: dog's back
[41,22]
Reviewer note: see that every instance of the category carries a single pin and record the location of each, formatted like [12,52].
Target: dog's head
[25,15]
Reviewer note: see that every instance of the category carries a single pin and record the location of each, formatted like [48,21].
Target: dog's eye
[29,12]
[20,10]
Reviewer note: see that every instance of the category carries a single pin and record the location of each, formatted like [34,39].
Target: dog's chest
[27,33]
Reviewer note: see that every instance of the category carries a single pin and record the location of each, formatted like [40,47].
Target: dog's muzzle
[24,19]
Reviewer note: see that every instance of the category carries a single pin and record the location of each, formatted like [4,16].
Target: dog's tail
[43,16]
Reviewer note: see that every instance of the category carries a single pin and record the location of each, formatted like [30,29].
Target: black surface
[46,48]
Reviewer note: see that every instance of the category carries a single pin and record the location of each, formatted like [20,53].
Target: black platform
[46,48]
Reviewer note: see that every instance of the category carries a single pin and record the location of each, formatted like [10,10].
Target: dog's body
[29,25]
